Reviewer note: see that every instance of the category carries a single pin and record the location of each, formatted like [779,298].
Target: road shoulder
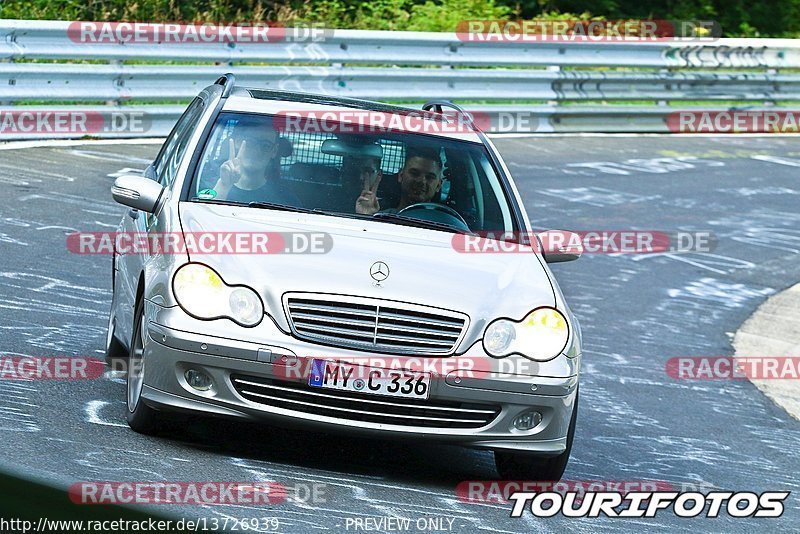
[774,330]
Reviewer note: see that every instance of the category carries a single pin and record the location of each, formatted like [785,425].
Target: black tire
[522,466]
[141,417]
[114,349]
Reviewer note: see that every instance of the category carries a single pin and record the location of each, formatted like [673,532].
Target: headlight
[542,335]
[202,293]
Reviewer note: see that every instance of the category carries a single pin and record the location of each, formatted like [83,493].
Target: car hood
[424,268]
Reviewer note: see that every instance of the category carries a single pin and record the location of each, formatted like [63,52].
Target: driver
[420,180]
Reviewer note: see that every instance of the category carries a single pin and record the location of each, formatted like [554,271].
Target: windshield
[387,176]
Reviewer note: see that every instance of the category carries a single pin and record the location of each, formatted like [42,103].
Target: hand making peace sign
[367,203]
[231,170]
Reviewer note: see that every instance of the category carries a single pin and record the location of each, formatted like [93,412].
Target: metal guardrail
[24,39]
[37,81]
[157,120]
[398,66]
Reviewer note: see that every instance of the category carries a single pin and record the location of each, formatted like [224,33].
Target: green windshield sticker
[206,194]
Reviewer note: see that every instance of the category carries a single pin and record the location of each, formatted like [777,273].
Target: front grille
[359,407]
[379,326]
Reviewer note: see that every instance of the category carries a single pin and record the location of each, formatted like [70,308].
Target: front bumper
[171,351]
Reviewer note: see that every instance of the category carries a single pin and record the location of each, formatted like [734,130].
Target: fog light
[198,380]
[527,420]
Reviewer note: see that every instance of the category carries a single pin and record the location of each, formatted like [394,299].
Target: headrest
[285,147]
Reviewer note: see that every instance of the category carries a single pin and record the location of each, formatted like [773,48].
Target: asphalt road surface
[635,423]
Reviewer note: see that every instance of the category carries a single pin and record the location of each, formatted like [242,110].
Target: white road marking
[92,412]
[20,145]
[791,162]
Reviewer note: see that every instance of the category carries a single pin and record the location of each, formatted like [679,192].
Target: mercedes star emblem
[379,271]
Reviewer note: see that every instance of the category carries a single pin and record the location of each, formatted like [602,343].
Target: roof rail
[437,106]
[227,82]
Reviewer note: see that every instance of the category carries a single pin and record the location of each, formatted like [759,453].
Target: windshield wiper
[421,223]
[344,214]
[254,204]
[276,206]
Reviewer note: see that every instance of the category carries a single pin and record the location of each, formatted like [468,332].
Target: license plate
[388,382]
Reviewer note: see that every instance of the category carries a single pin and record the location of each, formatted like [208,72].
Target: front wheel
[141,417]
[523,466]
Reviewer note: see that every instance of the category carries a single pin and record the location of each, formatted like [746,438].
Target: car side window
[174,147]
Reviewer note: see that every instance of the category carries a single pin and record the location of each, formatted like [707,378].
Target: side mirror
[137,192]
[560,245]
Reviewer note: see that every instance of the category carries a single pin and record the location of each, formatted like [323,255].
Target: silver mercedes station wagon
[345,265]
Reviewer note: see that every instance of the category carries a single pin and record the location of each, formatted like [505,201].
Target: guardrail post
[10,59]
[553,68]
[118,82]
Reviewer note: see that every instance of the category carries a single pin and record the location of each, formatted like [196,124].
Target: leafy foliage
[745,18]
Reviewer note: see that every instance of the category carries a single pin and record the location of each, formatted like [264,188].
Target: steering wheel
[430,210]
